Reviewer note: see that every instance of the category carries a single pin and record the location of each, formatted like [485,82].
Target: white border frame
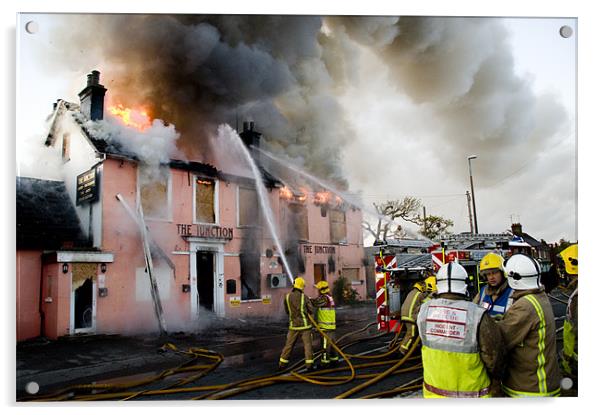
[72,329]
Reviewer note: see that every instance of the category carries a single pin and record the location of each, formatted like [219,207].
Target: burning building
[130,239]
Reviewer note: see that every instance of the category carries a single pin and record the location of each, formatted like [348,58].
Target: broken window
[338,226]
[250,276]
[298,227]
[248,207]
[204,200]
[154,192]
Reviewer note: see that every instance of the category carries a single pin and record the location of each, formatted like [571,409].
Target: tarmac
[51,365]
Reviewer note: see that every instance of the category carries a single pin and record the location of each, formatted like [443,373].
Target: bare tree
[408,210]
[405,209]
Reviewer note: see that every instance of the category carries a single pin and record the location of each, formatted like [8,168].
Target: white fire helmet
[523,272]
[452,278]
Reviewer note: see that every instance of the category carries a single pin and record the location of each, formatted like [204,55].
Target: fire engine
[396,273]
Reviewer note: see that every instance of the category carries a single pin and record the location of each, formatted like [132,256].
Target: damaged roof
[46,218]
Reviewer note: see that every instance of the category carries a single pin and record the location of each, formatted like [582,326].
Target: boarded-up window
[154,193]
[205,200]
[298,227]
[338,226]
[66,147]
[248,207]
[250,276]
[351,274]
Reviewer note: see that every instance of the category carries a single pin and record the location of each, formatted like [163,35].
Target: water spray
[263,196]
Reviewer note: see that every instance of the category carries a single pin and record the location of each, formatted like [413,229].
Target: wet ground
[250,349]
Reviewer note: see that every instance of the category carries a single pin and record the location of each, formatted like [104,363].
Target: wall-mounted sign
[234,301]
[205,231]
[87,187]
[319,249]
[266,299]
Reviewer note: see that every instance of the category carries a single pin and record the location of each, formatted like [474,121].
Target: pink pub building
[87,263]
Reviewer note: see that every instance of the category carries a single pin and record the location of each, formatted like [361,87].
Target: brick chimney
[92,98]
[251,138]
[517,229]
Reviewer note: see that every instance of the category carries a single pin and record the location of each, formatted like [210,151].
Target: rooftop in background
[45,216]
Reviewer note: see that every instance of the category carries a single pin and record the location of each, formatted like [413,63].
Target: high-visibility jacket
[451,359]
[298,306]
[326,314]
[570,333]
[496,305]
[529,332]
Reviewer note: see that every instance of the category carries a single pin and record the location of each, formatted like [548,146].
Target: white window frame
[238,225]
[169,198]
[215,200]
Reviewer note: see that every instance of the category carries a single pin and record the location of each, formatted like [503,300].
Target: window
[66,147]
[155,192]
[250,276]
[205,200]
[351,274]
[338,226]
[248,207]
[298,228]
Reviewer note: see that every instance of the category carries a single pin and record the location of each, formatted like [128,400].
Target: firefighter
[420,293]
[529,333]
[298,306]
[569,334]
[326,319]
[460,342]
[495,295]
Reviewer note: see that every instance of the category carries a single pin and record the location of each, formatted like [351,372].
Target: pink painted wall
[29,265]
[57,287]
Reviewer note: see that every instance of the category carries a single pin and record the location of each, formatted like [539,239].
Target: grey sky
[404,139]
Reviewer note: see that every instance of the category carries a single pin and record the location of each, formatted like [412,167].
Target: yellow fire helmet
[431,284]
[492,261]
[569,256]
[299,283]
[322,286]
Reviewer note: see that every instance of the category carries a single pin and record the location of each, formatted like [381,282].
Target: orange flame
[321,198]
[286,193]
[137,118]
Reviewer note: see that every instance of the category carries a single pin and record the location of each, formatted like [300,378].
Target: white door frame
[199,244]
[72,329]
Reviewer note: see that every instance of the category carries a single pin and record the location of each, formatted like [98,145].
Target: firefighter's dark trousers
[291,339]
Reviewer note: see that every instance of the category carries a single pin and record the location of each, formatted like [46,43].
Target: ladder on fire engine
[139,219]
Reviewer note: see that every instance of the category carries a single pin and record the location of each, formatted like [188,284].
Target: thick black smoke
[285,73]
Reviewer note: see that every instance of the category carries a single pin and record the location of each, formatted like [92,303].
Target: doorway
[83,305]
[319,273]
[205,269]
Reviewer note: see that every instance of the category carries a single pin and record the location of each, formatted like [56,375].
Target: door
[205,277]
[83,306]
[319,273]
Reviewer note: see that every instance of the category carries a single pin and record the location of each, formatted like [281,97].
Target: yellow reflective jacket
[326,314]
[451,358]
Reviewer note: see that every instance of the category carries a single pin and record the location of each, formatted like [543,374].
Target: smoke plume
[287,72]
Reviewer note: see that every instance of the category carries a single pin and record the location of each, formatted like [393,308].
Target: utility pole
[474,208]
[469,211]
[424,220]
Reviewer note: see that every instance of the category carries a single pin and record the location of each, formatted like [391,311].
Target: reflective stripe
[410,312]
[483,393]
[516,394]
[309,362]
[283,360]
[541,359]
[290,315]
